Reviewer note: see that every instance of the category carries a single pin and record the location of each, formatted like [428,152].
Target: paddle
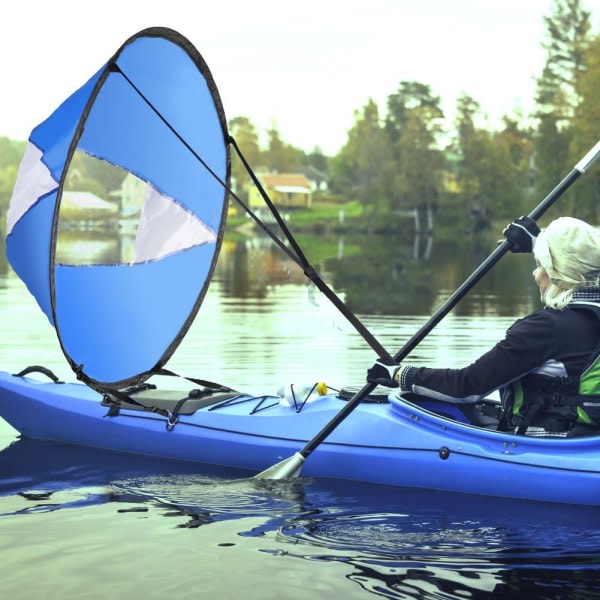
[290,467]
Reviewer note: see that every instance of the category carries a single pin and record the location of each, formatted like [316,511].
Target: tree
[568,30]
[11,153]
[557,93]
[494,167]
[280,157]
[246,137]
[362,166]
[89,173]
[414,125]
[467,110]
[317,160]
[586,128]
[8,176]
[518,139]
[413,95]
[419,165]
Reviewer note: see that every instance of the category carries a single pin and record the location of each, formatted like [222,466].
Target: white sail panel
[34,181]
[165,227]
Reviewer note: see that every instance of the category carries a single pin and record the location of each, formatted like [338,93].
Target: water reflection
[374,274]
[261,310]
[79,246]
[383,277]
[391,542]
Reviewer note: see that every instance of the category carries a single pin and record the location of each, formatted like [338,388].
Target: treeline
[409,157]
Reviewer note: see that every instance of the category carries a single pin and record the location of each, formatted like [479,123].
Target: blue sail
[117,215]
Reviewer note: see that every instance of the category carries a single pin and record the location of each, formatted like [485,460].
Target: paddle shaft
[453,300]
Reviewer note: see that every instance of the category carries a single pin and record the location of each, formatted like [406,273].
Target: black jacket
[549,341]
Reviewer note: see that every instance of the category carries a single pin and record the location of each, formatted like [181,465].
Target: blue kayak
[388,439]
[166,229]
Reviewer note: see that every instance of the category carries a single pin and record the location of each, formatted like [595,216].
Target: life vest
[554,404]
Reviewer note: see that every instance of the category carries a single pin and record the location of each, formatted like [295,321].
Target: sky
[304,67]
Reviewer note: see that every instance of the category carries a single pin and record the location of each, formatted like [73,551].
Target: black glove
[521,234]
[383,372]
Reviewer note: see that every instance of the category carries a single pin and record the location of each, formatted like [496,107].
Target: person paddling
[547,367]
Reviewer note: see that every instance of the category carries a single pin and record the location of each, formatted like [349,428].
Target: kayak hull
[394,443]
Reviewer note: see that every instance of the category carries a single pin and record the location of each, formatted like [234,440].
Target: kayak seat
[484,413]
[582,430]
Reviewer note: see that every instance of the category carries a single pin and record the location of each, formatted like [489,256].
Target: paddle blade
[290,467]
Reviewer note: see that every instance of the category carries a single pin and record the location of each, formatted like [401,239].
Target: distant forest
[408,157]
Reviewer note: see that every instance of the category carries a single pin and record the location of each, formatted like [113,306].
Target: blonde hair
[569,251]
[558,295]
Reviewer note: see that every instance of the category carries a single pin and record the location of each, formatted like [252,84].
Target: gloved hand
[521,234]
[383,372]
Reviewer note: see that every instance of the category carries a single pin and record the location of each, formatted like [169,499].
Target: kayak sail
[117,216]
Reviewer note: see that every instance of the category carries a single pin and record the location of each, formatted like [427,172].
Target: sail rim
[184,43]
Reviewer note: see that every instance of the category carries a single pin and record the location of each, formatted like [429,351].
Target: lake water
[77,523]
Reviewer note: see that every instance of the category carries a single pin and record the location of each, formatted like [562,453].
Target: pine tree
[586,132]
[557,95]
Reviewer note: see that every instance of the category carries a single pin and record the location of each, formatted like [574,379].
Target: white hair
[558,297]
[569,251]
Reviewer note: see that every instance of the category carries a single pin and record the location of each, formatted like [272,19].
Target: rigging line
[114,68]
[309,270]
[270,204]
[264,227]
[299,258]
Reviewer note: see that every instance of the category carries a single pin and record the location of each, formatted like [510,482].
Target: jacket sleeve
[528,343]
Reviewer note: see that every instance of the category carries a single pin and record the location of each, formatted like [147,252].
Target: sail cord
[297,256]
[308,269]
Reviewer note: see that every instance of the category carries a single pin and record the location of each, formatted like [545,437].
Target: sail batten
[125,186]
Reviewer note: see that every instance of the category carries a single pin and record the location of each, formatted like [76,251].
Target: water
[78,523]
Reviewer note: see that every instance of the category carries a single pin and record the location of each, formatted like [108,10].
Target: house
[318,179]
[285,190]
